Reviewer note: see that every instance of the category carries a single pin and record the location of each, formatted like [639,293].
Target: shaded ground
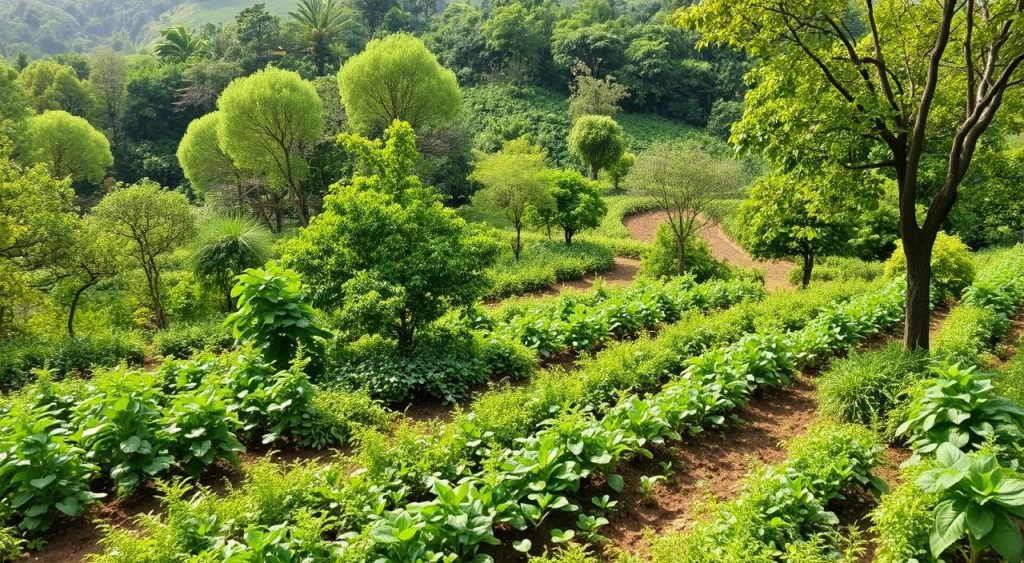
[644,226]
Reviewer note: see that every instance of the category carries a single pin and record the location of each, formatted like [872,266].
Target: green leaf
[949,527]
[616,482]
[1006,539]
[522,546]
[42,482]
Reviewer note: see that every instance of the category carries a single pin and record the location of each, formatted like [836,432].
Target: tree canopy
[68,145]
[397,78]
[598,141]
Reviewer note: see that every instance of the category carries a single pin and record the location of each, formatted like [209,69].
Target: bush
[544,263]
[1011,384]
[662,259]
[337,415]
[199,429]
[836,268]
[966,334]
[18,358]
[184,340]
[952,267]
[903,520]
[864,388]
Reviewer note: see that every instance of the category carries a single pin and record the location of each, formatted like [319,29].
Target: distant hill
[47,27]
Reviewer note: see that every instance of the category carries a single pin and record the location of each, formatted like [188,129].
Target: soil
[644,226]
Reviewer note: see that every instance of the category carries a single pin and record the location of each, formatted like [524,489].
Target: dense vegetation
[233,230]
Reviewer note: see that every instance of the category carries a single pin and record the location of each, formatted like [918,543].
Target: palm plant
[323,20]
[227,246]
[179,45]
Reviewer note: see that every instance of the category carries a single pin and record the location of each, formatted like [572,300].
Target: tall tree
[397,78]
[578,202]
[845,83]
[597,141]
[268,122]
[684,182]
[154,222]
[178,44]
[259,34]
[14,106]
[321,21]
[593,96]
[109,79]
[514,182]
[68,145]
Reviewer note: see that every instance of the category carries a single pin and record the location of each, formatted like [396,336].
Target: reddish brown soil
[622,273]
[712,465]
[643,226]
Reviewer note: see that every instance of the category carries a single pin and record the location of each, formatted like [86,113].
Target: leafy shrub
[19,357]
[835,268]
[274,314]
[961,408]
[1011,384]
[274,402]
[545,263]
[199,429]
[41,472]
[118,426]
[977,498]
[952,267]
[662,259]
[904,519]
[184,340]
[336,415]
[864,388]
[619,208]
[966,334]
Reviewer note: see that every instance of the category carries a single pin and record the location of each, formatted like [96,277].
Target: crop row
[520,486]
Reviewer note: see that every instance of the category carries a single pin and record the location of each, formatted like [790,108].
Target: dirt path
[644,226]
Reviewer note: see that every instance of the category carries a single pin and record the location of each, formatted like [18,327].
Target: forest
[630,281]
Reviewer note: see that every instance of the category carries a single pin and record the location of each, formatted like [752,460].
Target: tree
[51,85]
[598,141]
[225,247]
[68,145]
[784,217]
[456,38]
[578,202]
[849,86]
[518,37]
[153,222]
[206,165]
[385,251]
[621,169]
[513,180]
[94,255]
[268,120]
[36,78]
[598,46]
[14,106]
[397,78]
[322,21]
[258,33]
[684,182]
[373,12]
[109,79]
[592,96]
[37,216]
[178,45]
[205,80]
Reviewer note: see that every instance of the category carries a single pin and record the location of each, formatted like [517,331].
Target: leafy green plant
[952,268]
[118,426]
[962,409]
[647,486]
[274,314]
[41,472]
[269,402]
[199,429]
[977,498]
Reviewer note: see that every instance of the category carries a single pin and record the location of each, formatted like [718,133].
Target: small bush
[546,262]
[952,267]
[337,415]
[1011,384]
[199,429]
[18,358]
[184,340]
[966,334]
[662,259]
[864,388]
[836,268]
[903,520]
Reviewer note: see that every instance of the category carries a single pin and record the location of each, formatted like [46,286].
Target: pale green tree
[68,145]
[514,182]
[152,222]
[268,122]
[597,141]
[397,78]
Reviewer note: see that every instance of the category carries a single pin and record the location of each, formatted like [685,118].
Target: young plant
[977,499]
[962,409]
[199,430]
[647,485]
[41,473]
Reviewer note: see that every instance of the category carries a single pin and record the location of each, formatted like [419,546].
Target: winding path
[643,226]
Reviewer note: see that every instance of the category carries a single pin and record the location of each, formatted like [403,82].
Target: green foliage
[594,96]
[977,498]
[578,202]
[184,340]
[199,429]
[386,251]
[619,208]
[662,258]
[865,388]
[337,415]
[274,315]
[68,145]
[904,520]
[179,45]
[836,268]
[952,268]
[966,334]
[225,247]
[959,407]
[544,263]
[205,164]
[19,357]
[118,425]
[597,141]
[397,78]
[1011,384]
[42,472]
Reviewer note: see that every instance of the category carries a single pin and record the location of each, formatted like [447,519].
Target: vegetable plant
[199,429]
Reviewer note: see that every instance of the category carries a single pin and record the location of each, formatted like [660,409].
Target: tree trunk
[682,256]
[517,246]
[74,308]
[594,169]
[568,235]
[918,251]
[808,256]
